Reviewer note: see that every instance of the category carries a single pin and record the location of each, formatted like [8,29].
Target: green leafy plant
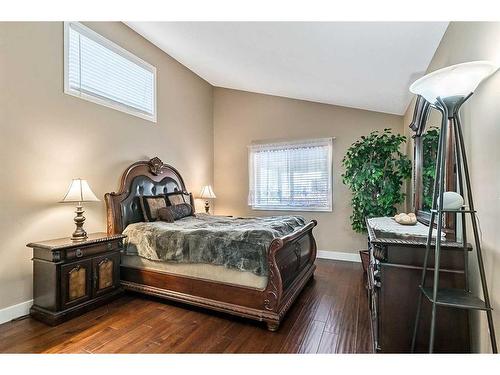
[430,141]
[375,169]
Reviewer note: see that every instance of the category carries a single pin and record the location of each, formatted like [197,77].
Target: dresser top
[67,242]
[393,238]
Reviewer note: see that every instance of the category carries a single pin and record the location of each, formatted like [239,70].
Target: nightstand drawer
[85,251]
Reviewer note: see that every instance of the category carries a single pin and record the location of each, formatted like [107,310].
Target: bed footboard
[291,265]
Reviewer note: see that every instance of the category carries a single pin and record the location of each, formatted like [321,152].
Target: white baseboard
[337,255]
[15,311]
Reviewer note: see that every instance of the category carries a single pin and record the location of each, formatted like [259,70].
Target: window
[295,176]
[98,70]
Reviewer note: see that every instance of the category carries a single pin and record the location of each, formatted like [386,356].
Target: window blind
[100,71]
[294,176]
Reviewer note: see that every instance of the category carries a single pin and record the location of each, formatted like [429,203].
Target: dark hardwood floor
[330,316]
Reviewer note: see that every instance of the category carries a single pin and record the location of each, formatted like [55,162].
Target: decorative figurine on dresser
[72,277]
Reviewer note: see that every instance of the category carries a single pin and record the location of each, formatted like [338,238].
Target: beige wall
[462,42]
[47,138]
[242,117]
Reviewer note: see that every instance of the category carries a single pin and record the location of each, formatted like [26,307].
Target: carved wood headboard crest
[156,165]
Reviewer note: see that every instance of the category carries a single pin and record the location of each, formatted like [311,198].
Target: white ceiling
[367,65]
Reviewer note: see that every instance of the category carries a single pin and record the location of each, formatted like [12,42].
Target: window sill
[294,209]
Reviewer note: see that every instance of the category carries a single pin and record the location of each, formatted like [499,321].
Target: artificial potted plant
[375,169]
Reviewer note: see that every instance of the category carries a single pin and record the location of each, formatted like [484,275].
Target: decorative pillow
[175,212]
[165,214]
[150,206]
[178,197]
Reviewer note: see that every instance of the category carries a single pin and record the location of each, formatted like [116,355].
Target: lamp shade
[207,192]
[80,191]
[456,80]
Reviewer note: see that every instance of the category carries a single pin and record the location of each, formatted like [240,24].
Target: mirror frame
[418,125]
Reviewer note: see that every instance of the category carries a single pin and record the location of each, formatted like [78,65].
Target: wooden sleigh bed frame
[290,258]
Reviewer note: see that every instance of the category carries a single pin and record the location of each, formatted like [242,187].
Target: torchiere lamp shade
[457,80]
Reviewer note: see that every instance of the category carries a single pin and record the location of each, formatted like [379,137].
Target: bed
[260,287]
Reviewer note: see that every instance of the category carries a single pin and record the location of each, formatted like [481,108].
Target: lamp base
[79,234]
[207,207]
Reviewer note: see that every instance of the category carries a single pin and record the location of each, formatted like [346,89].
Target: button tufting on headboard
[143,185]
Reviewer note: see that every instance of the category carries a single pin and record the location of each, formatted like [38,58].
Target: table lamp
[207,193]
[79,191]
[446,90]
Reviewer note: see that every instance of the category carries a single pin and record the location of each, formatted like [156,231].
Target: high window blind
[98,70]
[294,176]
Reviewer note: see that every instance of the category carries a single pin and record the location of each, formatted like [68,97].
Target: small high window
[102,72]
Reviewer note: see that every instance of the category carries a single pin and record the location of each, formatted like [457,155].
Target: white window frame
[89,33]
[289,208]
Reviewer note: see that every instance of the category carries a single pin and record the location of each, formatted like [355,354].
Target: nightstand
[70,278]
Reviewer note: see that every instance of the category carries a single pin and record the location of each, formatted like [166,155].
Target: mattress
[238,244]
[198,270]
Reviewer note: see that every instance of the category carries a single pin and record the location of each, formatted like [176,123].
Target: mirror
[426,124]
[430,141]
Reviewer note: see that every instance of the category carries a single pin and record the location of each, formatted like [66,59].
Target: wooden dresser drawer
[85,251]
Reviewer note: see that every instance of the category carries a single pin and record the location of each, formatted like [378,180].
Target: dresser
[70,278]
[394,273]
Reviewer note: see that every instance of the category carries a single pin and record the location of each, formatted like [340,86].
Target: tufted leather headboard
[151,177]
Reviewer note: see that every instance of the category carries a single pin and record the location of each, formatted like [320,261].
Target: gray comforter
[238,243]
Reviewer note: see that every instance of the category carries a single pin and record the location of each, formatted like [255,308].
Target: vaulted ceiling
[367,65]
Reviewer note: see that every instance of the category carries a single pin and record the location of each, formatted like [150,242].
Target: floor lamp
[446,90]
